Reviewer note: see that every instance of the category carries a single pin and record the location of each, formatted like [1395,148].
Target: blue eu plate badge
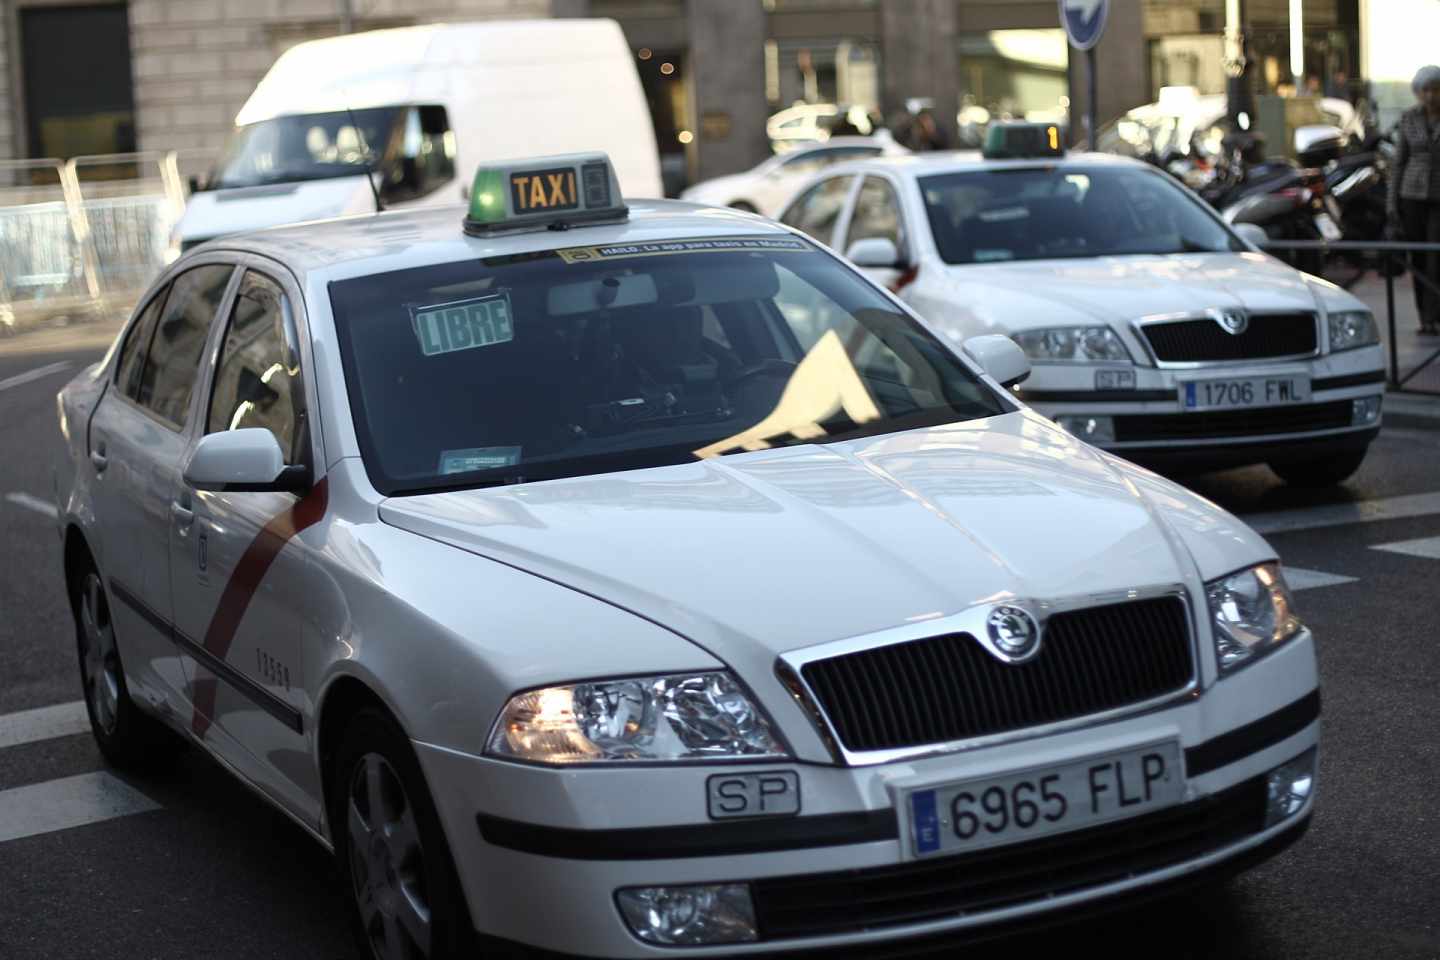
[925,821]
[1190,394]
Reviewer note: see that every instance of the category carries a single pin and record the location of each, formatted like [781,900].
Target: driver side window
[254,386]
[817,209]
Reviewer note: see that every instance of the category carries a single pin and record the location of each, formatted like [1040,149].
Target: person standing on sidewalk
[1414,198]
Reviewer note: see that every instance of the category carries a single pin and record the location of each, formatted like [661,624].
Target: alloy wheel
[387,862]
[99,657]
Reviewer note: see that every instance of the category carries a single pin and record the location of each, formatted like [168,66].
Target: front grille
[914,892]
[950,688]
[1201,340]
[1234,423]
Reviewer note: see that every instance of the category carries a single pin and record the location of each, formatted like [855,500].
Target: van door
[137,438]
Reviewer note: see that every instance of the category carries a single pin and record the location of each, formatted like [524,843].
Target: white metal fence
[83,237]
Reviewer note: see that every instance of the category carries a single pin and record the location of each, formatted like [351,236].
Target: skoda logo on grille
[1014,633]
[1233,322]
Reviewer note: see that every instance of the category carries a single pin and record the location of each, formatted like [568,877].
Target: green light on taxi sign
[1015,140]
[544,192]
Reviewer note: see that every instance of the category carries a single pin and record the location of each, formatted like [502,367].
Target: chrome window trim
[1138,328]
[789,668]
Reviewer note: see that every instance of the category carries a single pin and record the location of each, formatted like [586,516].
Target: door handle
[184,516]
[98,458]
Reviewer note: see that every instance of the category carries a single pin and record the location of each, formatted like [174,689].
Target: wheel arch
[78,557]
[343,697]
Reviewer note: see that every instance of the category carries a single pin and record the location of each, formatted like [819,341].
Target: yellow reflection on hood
[823,384]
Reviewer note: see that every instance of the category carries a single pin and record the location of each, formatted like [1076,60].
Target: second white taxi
[1155,330]
[583,602]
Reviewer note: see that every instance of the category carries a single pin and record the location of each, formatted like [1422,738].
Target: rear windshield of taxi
[592,359]
[1057,212]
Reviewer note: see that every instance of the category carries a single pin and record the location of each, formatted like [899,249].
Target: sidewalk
[1411,348]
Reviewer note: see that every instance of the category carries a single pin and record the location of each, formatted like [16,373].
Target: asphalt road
[207,870]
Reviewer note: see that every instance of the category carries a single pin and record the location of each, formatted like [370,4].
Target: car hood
[1040,293]
[764,552]
[216,213]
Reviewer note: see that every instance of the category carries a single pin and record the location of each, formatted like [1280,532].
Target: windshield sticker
[478,458]
[627,251]
[463,324]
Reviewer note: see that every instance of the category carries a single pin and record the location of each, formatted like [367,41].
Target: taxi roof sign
[1018,140]
[544,192]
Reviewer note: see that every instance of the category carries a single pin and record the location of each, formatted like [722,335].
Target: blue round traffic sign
[1084,21]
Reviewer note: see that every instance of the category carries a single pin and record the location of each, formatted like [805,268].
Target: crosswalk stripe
[68,802]
[43,723]
[1333,515]
[1301,579]
[1427,548]
[39,373]
[33,503]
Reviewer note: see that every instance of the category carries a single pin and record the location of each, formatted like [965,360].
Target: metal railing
[85,236]
[1391,256]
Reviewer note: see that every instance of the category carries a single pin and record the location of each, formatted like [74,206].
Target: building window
[1012,75]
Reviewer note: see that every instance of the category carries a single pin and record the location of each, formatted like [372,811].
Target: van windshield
[309,146]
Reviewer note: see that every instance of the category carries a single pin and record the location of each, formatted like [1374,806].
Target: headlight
[1081,344]
[1252,614]
[705,716]
[1351,329]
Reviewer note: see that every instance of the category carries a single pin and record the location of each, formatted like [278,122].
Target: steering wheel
[770,367]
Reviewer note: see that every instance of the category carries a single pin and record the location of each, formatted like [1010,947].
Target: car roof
[959,161]
[396,240]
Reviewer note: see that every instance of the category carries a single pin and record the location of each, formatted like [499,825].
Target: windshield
[312,146]
[593,359]
[1044,213]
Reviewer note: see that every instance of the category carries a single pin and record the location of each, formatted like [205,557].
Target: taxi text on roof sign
[1018,140]
[544,192]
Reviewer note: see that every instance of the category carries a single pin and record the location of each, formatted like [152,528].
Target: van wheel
[406,902]
[1318,473]
[126,737]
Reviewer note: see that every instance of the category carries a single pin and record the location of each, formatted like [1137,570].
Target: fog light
[1365,410]
[718,913]
[1089,429]
[1288,786]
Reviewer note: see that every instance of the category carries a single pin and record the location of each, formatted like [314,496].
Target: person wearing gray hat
[1413,203]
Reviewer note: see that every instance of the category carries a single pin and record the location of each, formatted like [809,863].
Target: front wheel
[405,895]
[1328,472]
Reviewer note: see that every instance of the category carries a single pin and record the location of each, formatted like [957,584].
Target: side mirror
[1251,233]
[243,461]
[193,182]
[1000,357]
[876,253]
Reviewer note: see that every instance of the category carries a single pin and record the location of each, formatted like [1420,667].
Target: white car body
[765,187]
[1129,294]
[509,88]
[442,606]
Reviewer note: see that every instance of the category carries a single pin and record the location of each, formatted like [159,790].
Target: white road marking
[43,723]
[1427,548]
[1334,515]
[38,373]
[1301,579]
[33,503]
[68,802]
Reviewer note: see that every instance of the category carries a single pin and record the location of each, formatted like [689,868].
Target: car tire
[1328,472]
[127,737]
[404,893]
[744,206]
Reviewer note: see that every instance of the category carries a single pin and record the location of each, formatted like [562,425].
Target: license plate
[536,191]
[1327,226]
[1243,392]
[975,814]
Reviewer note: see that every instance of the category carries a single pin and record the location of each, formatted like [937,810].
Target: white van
[430,103]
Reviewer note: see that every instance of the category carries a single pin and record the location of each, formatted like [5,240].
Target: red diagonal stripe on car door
[244,581]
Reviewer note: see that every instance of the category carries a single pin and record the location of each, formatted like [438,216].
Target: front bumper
[1151,426]
[541,851]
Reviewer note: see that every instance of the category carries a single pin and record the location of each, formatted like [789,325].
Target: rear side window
[173,362]
[877,215]
[818,208]
[253,385]
[132,353]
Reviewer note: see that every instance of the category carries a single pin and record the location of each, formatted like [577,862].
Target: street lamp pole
[1239,100]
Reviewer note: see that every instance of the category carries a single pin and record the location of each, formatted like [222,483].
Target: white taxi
[582,602]
[1155,330]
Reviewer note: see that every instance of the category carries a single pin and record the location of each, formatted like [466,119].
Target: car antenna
[369,169]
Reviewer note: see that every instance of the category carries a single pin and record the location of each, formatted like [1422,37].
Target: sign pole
[1090,104]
